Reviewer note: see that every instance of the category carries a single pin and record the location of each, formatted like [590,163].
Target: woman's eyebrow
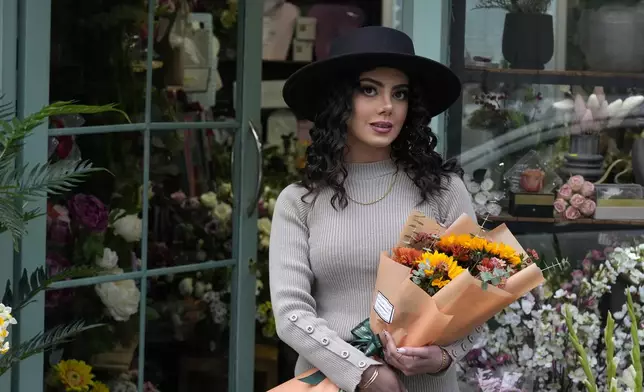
[380,84]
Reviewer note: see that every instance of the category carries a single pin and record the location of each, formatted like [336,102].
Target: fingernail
[401,350]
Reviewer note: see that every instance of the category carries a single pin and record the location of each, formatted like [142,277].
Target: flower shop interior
[172,233]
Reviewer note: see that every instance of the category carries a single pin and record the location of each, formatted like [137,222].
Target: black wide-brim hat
[364,49]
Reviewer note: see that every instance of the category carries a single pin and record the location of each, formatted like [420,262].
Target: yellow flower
[440,283]
[100,387]
[504,252]
[438,260]
[75,376]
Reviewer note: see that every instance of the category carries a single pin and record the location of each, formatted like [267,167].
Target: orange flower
[407,256]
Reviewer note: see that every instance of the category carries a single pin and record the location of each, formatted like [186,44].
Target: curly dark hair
[412,151]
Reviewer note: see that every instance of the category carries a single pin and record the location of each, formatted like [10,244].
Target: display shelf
[521,225]
[486,75]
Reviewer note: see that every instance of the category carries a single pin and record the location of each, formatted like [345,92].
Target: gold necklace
[389,189]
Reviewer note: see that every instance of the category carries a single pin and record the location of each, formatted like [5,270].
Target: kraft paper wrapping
[296,385]
[414,318]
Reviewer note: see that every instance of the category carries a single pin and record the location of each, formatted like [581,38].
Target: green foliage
[636,359]
[30,285]
[42,342]
[21,183]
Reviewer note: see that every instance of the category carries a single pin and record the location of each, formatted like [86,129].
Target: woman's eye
[369,91]
[400,95]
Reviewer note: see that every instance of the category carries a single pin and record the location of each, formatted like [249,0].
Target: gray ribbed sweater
[323,266]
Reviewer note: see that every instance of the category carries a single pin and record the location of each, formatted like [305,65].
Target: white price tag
[383,308]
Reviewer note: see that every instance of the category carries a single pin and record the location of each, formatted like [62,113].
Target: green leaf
[30,286]
[42,342]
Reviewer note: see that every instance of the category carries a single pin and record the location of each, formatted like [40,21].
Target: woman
[371,162]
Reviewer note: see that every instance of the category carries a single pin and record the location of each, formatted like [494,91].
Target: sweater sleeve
[294,308]
[454,202]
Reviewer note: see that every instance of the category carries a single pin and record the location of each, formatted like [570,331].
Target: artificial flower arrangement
[437,286]
[575,199]
[529,338]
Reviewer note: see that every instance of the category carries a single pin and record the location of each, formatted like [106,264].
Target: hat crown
[372,39]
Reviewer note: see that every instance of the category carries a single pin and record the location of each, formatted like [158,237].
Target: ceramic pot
[528,41]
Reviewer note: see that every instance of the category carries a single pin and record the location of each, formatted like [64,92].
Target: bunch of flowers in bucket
[436,286]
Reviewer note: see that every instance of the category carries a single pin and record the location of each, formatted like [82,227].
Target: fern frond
[30,286]
[12,218]
[42,342]
[6,109]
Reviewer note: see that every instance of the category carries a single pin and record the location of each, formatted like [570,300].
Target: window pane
[593,36]
[188,330]
[530,139]
[98,56]
[108,353]
[191,205]
[196,49]
[98,224]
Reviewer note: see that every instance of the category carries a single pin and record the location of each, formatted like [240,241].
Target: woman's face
[379,112]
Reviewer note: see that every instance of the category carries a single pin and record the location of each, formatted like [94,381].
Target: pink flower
[577,200]
[178,196]
[560,205]
[587,189]
[576,182]
[572,213]
[588,207]
[565,192]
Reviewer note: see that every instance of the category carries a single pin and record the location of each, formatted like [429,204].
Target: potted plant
[528,38]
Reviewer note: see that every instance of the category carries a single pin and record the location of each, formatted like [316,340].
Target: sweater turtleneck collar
[370,170]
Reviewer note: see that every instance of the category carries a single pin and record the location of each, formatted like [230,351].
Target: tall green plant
[636,359]
[21,183]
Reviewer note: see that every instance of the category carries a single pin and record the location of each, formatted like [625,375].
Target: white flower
[264,226]
[6,319]
[121,298]
[222,212]
[270,206]
[109,260]
[185,287]
[628,377]
[209,199]
[129,227]
[200,289]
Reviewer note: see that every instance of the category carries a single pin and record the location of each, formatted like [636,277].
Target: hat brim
[306,89]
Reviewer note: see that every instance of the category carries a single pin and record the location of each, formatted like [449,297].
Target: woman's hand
[385,381]
[415,360]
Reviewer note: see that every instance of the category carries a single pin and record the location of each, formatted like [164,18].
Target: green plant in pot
[528,38]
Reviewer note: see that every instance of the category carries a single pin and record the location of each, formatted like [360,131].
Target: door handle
[260,164]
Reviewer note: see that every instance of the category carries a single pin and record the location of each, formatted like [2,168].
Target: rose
[121,298]
[588,207]
[222,212]
[572,213]
[577,200]
[109,260]
[209,199]
[587,189]
[565,192]
[178,196]
[560,205]
[129,227]
[576,182]
[89,211]
[264,226]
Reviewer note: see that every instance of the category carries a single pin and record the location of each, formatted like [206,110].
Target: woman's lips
[381,126]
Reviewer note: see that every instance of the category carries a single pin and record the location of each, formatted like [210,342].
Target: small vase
[584,144]
[528,40]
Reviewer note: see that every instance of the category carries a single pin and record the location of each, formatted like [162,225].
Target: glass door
[170,225]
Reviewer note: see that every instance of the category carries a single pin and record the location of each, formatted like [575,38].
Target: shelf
[505,75]
[527,225]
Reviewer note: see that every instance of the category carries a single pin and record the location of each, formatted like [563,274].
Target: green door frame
[31,31]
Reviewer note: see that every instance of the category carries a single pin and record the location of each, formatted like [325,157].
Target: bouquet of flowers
[440,283]
[436,287]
